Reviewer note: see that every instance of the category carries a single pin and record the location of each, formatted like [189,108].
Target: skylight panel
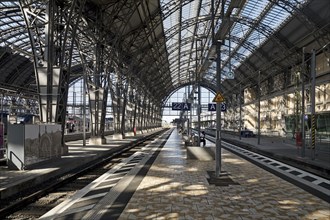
[16,18]
[167,24]
[9,3]
[187,11]
[239,30]
[185,33]
[255,38]
[275,17]
[254,8]
[5,27]
[206,8]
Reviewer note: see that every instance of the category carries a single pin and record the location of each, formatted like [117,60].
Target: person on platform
[202,138]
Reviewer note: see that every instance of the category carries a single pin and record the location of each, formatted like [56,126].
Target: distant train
[75,124]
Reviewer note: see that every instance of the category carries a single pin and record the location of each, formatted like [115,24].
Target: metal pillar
[190,118]
[218,130]
[313,122]
[218,106]
[240,111]
[52,54]
[199,100]
[199,112]
[74,103]
[96,92]
[303,105]
[84,109]
[259,95]
[124,109]
[135,115]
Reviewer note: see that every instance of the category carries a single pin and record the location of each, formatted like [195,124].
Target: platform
[14,181]
[179,188]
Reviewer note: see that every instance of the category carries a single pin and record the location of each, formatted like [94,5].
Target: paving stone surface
[177,188]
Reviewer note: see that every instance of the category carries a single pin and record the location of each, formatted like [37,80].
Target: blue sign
[186,106]
[212,107]
[176,105]
[223,107]
[181,106]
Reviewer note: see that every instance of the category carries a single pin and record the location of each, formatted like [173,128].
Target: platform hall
[232,96]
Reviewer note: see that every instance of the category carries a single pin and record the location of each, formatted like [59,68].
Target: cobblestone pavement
[177,188]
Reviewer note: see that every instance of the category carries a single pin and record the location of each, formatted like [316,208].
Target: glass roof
[186,21]
[188,33]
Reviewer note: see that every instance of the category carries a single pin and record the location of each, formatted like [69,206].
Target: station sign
[181,106]
[223,107]
[212,107]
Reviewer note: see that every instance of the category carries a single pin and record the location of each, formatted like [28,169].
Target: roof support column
[116,103]
[303,133]
[139,115]
[123,113]
[259,106]
[313,119]
[135,115]
[218,115]
[52,54]
[152,115]
[148,114]
[98,87]
[144,112]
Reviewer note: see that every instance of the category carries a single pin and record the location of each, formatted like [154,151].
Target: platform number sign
[223,107]
[176,105]
[181,106]
[212,107]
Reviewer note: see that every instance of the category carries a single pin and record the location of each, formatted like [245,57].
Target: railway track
[37,201]
[312,183]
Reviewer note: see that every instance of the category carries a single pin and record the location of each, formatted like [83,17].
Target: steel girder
[124,41]
[51,29]
[290,55]
[132,39]
[17,104]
